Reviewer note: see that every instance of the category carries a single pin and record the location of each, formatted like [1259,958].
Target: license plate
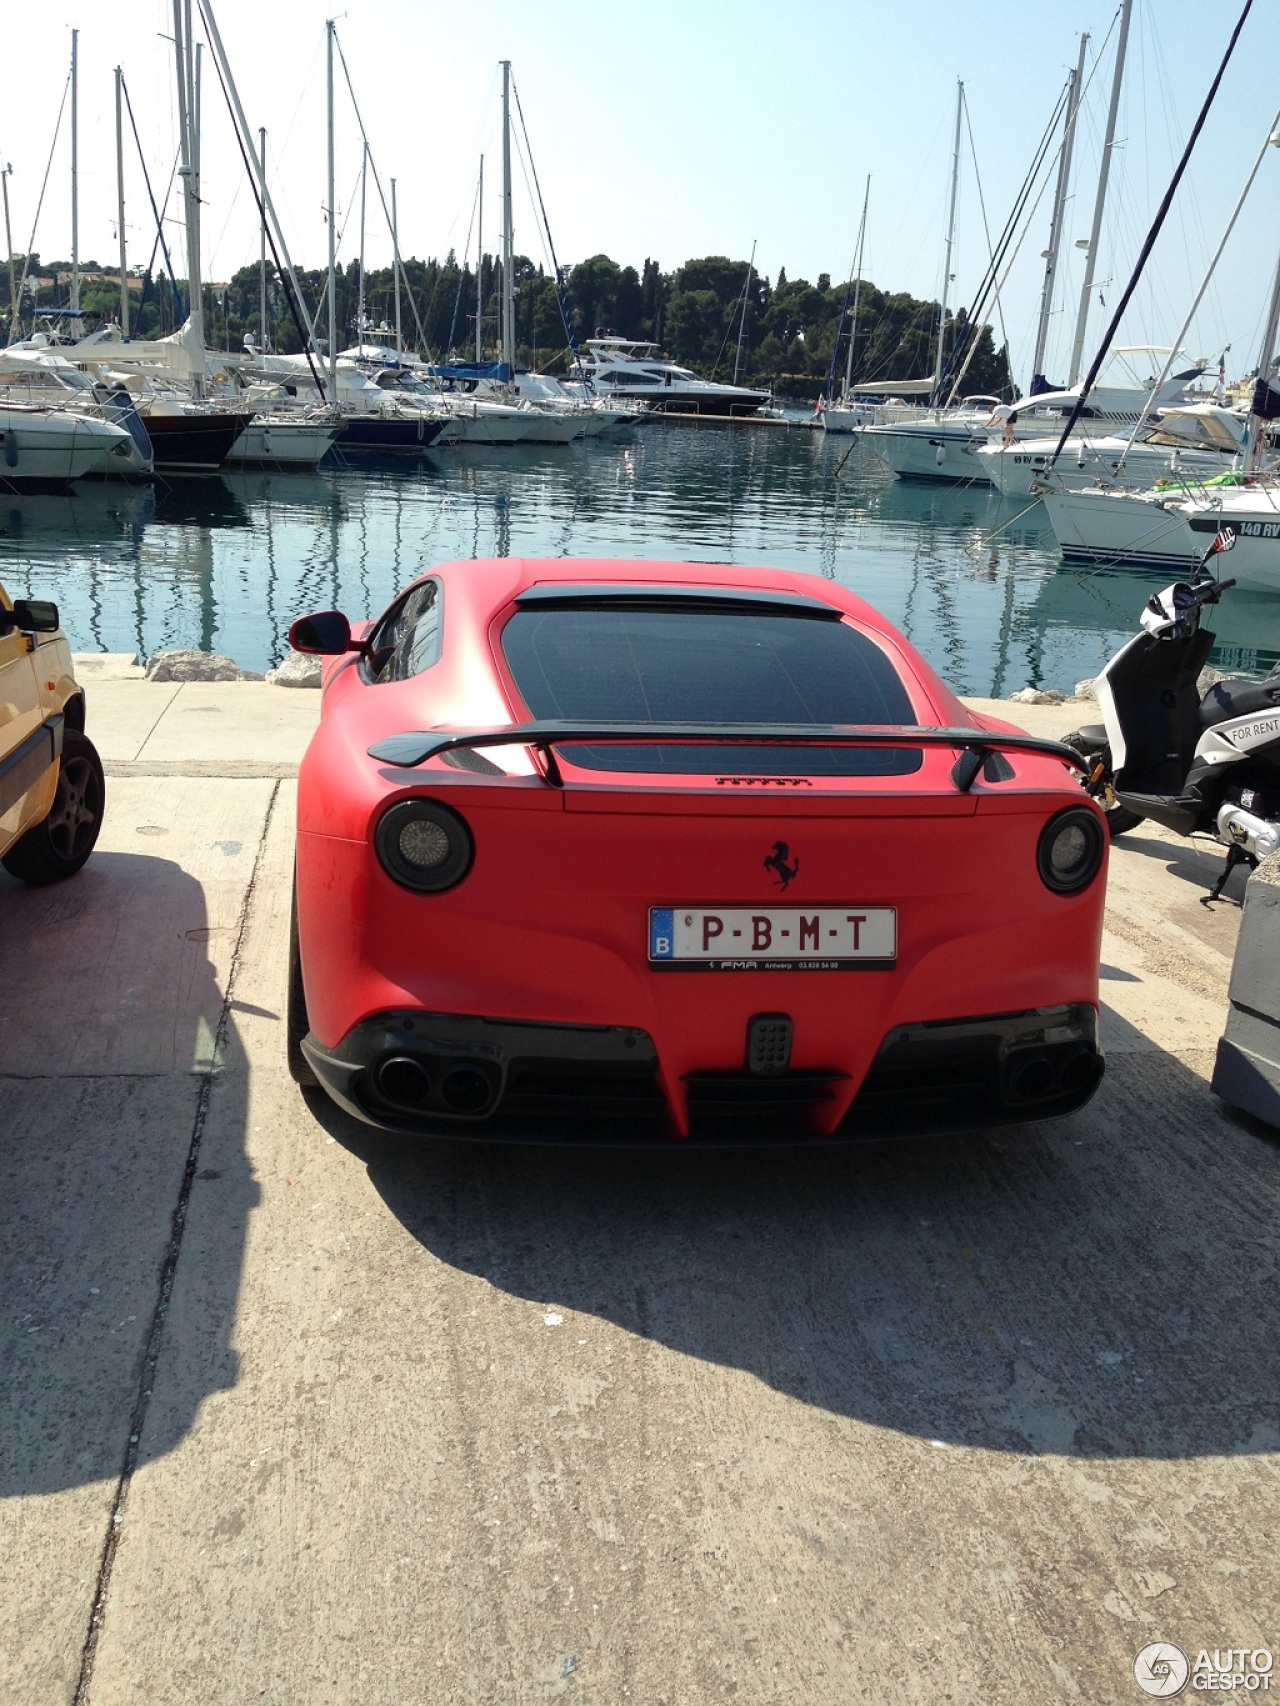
[773,938]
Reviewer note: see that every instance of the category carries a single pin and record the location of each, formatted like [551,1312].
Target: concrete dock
[299,1414]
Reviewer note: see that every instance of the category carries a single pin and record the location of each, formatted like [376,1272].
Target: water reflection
[226,562]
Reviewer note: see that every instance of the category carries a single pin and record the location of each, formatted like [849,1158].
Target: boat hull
[42,449]
[282,444]
[480,423]
[1254,562]
[719,403]
[1105,527]
[193,444]
[388,434]
[944,454]
[1016,470]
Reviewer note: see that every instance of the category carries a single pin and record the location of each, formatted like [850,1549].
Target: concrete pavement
[299,1414]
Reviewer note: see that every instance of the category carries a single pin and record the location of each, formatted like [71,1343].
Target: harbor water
[224,563]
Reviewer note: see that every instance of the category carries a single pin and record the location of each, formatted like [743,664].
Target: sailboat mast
[479,262]
[333,256]
[259,166]
[75,173]
[124,277]
[951,230]
[364,173]
[1262,395]
[742,323]
[8,243]
[1104,171]
[508,282]
[857,290]
[1074,86]
[189,172]
[395,261]
[262,252]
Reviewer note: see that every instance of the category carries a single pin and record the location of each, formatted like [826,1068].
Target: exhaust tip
[1081,1072]
[403,1080]
[1032,1079]
[469,1088]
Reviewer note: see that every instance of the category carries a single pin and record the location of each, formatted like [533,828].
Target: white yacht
[36,376]
[51,447]
[944,445]
[1185,444]
[1173,528]
[625,367]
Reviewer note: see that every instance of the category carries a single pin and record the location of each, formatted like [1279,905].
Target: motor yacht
[625,367]
[43,447]
[34,374]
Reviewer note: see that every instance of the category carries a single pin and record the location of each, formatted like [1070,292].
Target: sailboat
[945,445]
[848,416]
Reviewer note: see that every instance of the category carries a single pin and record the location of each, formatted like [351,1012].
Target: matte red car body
[550,924]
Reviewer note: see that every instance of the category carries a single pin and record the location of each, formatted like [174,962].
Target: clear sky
[690,127]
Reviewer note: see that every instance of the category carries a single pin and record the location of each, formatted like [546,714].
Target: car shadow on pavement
[1100,1286]
[110,1009]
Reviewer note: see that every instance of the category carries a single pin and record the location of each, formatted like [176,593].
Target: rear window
[709,667]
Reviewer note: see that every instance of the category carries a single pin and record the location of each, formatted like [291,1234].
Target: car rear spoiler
[980,751]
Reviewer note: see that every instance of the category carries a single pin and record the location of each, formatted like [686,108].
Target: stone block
[1247,1070]
[192,666]
[296,669]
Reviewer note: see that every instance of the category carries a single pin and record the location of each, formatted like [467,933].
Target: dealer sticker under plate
[776,938]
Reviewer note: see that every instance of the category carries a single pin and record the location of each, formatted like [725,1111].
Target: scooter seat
[1230,699]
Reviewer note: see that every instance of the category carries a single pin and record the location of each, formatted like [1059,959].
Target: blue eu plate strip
[661,933]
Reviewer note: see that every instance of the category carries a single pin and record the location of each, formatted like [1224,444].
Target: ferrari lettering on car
[538,789]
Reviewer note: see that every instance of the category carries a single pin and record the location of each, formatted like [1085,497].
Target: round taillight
[1071,850]
[424,845]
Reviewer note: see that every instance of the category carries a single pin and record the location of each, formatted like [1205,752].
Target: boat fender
[10,449]
[940,454]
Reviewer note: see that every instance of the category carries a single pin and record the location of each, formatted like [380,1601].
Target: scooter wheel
[1100,785]
[1120,819]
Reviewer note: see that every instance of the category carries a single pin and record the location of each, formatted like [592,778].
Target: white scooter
[1198,765]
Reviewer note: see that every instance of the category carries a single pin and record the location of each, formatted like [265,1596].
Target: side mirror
[326,634]
[36,615]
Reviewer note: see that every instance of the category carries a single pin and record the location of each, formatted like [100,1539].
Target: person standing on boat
[1006,414]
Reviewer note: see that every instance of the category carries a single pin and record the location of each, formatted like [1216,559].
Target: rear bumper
[459,1075]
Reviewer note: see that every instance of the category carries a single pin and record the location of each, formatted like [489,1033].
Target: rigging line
[997,531]
[159,238]
[1186,324]
[991,280]
[739,307]
[281,146]
[157,213]
[1015,218]
[281,275]
[982,200]
[462,270]
[397,262]
[26,259]
[1154,232]
[561,295]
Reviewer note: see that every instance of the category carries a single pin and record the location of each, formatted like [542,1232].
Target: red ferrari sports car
[615,850]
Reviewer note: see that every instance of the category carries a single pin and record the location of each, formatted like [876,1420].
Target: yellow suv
[51,786]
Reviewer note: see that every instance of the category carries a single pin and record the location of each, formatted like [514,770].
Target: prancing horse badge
[777,863]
